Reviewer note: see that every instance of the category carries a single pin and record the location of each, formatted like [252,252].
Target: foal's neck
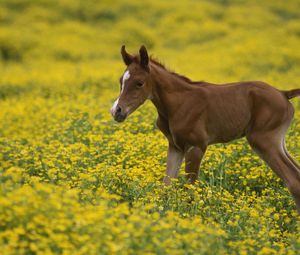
[167,90]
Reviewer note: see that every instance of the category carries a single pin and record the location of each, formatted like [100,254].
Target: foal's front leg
[193,159]
[174,162]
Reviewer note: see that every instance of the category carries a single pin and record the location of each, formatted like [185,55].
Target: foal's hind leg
[269,146]
[294,162]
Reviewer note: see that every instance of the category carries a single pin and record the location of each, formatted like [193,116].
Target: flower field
[73,181]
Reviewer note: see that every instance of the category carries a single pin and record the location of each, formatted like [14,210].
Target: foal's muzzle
[118,114]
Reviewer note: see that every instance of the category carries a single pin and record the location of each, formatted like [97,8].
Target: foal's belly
[220,116]
[224,137]
[227,121]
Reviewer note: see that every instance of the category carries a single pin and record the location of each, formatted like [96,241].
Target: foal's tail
[291,93]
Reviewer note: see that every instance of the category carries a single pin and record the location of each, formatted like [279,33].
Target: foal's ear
[144,58]
[127,58]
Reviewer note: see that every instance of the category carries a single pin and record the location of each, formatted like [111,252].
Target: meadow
[73,181]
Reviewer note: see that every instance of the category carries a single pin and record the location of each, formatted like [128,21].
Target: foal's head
[134,85]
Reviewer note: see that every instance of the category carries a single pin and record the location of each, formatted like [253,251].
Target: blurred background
[53,42]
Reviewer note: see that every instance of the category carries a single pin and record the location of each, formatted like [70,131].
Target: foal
[193,115]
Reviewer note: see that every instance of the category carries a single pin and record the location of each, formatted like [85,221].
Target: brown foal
[193,115]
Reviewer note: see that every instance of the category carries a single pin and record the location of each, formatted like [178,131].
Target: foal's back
[232,109]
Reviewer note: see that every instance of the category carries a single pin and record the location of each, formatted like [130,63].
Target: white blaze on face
[126,76]
[114,107]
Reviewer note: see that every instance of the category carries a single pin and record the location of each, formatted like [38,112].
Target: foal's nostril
[118,114]
[118,110]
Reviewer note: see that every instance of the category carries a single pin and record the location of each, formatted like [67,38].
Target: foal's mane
[182,77]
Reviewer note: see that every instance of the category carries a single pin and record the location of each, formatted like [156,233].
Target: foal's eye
[139,84]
